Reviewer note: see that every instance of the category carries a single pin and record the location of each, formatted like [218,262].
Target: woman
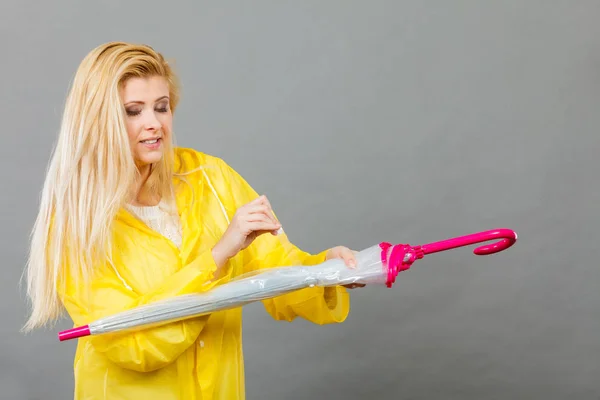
[127,219]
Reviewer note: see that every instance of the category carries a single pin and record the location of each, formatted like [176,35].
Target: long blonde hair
[90,174]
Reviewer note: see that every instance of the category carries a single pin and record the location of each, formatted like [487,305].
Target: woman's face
[148,118]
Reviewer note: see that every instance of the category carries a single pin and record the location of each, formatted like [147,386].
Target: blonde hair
[90,174]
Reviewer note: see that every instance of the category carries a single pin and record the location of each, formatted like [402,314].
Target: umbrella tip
[74,333]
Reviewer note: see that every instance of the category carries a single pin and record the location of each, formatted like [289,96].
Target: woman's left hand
[348,256]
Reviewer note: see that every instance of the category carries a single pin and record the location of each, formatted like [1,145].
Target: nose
[151,123]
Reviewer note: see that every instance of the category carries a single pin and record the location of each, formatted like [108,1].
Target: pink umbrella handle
[508,238]
[402,256]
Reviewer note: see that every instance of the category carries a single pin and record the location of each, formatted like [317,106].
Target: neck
[142,195]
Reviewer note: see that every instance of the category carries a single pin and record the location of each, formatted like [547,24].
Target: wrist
[327,253]
[220,255]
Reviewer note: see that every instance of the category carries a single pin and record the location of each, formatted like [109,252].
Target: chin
[148,159]
[147,154]
[152,160]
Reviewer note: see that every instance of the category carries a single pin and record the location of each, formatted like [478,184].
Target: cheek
[133,130]
[166,122]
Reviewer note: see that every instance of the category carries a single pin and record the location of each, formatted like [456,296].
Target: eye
[162,107]
[133,113]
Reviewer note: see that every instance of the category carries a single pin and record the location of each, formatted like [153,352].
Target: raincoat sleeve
[318,305]
[148,349]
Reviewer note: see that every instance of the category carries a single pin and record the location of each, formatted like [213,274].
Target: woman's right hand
[250,221]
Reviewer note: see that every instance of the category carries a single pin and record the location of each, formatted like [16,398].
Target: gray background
[404,121]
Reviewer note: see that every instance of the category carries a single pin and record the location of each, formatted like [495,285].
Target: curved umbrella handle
[508,238]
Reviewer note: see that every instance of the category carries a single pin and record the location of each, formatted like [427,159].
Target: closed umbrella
[378,264]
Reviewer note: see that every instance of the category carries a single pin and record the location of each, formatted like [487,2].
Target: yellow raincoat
[199,358]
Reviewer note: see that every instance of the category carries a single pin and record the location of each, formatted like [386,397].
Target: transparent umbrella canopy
[378,264]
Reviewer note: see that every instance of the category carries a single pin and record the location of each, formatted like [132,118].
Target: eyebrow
[141,102]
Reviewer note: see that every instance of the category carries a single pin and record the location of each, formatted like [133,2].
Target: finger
[259,200]
[262,209]
[268,204]
[354,285]
[257,209]
[262,200]
[257,215]
[265,201]
[256,202]
[262,226]
[259,233]
[261,217]
[348,258]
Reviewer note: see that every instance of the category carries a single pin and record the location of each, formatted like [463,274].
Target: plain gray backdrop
[363,121]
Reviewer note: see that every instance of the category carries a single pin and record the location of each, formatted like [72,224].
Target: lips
[150,141]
